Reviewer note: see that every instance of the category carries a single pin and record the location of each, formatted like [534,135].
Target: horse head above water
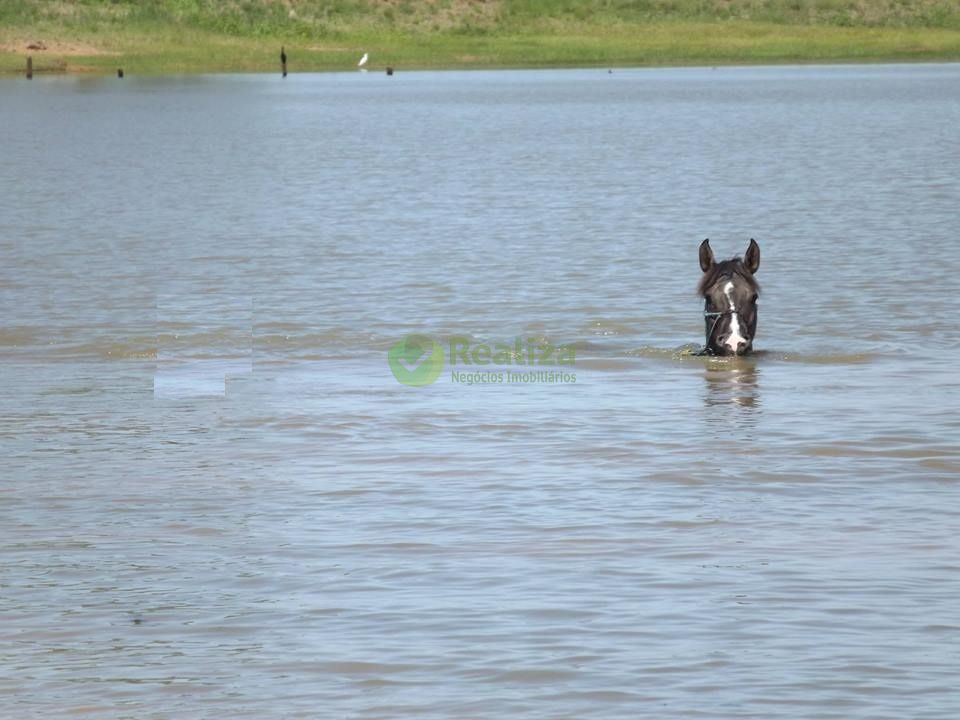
[730,293]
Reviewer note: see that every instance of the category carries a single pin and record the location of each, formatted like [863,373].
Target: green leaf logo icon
[416,360]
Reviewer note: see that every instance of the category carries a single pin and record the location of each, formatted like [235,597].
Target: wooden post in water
[283,61]
[29,67]
[389,70]
[120,73]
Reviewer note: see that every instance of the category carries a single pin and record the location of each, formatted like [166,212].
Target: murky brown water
[216,499]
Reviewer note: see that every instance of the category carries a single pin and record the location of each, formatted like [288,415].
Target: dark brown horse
[730,293]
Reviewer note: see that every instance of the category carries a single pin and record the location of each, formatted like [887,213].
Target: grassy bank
[170,36]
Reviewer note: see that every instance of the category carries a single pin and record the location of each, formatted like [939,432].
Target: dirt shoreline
[52,55]
[43,47]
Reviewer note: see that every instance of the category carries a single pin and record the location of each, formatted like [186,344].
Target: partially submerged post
[389,70]
[29,67]
[283,61]
[120,73]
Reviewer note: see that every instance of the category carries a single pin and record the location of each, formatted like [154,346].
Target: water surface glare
[217,500]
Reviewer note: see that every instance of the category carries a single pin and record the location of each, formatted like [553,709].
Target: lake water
[216,500]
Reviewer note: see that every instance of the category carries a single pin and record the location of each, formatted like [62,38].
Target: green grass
[172,36]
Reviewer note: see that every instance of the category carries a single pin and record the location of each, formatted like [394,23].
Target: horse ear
[706,255]
[752,257]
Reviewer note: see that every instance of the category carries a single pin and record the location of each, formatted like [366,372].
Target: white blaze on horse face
[734,338]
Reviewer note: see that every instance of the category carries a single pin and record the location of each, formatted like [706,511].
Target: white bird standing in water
[363,61]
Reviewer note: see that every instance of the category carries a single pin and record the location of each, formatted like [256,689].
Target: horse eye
[754,298]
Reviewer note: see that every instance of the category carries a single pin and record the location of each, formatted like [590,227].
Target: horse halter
[716,315]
